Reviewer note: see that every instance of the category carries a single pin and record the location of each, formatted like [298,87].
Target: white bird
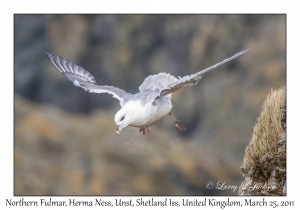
[143,109]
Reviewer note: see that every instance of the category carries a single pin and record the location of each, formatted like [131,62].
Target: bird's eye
[122,118]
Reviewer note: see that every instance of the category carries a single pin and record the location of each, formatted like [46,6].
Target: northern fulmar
[143,109]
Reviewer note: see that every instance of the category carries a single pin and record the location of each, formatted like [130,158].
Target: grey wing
[82,78]
[193,79]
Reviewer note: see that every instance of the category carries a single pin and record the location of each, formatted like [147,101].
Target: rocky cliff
[62,153]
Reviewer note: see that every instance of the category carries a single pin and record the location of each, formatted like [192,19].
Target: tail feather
[157,81]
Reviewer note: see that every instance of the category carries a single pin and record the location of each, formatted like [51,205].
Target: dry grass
[267,130]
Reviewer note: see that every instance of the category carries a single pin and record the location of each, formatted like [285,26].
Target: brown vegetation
[265,156]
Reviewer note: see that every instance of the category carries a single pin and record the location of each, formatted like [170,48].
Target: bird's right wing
[193,79]
[82,78]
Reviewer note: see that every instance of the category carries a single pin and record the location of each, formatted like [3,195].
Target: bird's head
[122,119]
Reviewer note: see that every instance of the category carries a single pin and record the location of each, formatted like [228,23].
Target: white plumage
[142,109]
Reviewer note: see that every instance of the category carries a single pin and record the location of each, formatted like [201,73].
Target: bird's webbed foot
[180,125]
[145,130]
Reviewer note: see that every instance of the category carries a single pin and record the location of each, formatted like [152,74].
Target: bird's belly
[151,114]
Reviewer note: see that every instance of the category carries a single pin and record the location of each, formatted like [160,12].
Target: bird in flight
[145,108]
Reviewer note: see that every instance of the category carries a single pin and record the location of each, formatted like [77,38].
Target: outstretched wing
[193,79]
[82,78]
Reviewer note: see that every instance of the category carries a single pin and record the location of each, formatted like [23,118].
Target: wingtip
[49,55]
[244,51]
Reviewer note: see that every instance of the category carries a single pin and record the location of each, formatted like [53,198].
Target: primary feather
[193,79]
[82,78]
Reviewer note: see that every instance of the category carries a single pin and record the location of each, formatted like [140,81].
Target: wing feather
[193,79]
[82,78]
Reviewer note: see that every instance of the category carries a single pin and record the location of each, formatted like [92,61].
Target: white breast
[149,114]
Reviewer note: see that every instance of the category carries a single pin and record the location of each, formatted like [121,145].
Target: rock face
[121,50]
[264,166]
[60,153]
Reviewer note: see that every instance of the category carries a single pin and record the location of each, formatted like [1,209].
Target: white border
[239,7]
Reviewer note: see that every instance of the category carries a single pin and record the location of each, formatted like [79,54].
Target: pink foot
[180,125]
[144,130]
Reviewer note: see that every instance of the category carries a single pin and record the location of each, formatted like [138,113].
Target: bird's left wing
[193,79]
[82,78]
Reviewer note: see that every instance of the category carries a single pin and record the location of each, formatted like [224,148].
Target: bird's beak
[118,132]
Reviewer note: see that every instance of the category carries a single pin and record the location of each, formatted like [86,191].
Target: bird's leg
[146,129]
[178,123]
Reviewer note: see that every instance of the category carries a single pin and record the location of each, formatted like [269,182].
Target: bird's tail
[157,81]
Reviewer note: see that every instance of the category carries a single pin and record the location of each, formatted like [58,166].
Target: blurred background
[65,141]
